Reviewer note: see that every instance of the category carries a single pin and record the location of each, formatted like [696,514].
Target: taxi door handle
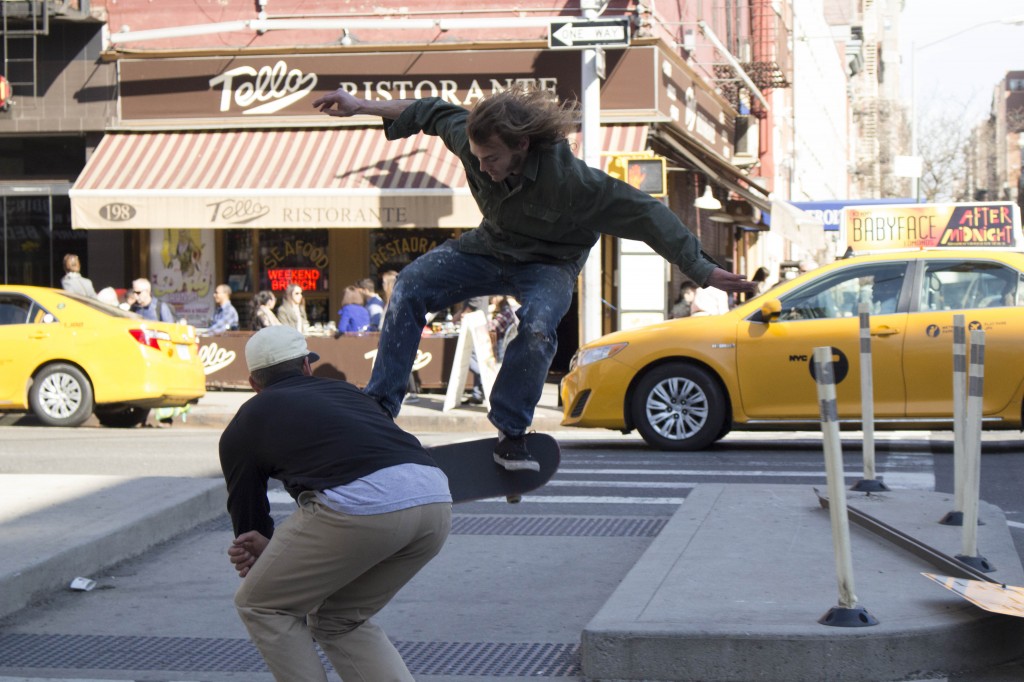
[884,331]
[39,335]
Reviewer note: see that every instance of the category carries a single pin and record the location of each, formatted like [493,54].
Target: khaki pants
[333,572]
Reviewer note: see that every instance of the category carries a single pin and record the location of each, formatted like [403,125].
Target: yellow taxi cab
[685,383]
[65,357]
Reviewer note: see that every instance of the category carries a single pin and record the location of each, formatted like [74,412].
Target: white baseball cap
[274,345]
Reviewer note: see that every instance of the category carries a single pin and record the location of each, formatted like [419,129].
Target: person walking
[543,209]
[373,509]
[73,280]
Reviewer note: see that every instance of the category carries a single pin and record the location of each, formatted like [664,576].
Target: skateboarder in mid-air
[543,209]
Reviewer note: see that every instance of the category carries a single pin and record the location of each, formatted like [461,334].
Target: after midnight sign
[914,226]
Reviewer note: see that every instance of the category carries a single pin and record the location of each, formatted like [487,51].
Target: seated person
[353,315]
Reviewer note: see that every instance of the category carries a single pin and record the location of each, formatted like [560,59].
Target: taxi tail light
[149,337]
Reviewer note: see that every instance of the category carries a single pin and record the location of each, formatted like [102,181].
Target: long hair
[517,113]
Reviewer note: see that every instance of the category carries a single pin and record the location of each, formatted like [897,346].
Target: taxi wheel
[122,418]
[61,395]
[679,407]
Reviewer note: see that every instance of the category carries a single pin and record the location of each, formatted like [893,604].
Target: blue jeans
[446,276]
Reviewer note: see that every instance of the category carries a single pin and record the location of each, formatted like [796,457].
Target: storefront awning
[287,179]
[719,170]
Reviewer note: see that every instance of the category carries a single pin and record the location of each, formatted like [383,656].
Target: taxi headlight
[588,356]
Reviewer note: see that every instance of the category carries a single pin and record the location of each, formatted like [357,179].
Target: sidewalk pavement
[737,578]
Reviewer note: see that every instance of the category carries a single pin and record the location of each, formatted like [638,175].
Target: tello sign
[275,85]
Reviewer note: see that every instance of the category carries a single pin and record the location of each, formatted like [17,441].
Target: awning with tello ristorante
[284,179]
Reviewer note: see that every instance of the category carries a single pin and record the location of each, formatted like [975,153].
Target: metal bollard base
[956,518]
[870,485]
[841,617]
[979,563]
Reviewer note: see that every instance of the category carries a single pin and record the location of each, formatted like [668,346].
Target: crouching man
[373,509]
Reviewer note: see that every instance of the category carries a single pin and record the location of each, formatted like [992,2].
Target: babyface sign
[918,226]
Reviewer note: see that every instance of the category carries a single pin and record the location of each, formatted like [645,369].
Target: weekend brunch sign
[918,226]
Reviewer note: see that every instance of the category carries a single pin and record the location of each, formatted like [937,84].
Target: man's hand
[245,549]
[338,103]
[730,282]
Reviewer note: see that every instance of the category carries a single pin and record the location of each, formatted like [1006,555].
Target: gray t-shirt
[392,489]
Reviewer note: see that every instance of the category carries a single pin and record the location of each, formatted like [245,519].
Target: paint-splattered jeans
[446,276]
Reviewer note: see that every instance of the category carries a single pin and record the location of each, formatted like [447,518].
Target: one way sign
[567,35]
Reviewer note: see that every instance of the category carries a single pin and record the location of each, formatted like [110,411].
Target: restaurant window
[394,249]
[35,232]
[268,259]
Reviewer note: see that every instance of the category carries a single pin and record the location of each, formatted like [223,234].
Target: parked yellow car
[64,357]
[683,384]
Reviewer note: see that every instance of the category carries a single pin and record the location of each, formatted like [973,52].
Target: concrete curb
[57,528]
[734,585]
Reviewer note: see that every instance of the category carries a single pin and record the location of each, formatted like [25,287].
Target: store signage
[911,226]
[285,86]
[280,278]
[272,87]
[405,249]
[582,34]
[297,248]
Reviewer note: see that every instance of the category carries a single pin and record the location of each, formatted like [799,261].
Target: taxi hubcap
[677,408]
[60,395]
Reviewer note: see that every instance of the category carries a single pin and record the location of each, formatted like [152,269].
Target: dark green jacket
[561,206]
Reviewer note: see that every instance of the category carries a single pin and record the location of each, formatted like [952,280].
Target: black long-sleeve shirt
[311,434]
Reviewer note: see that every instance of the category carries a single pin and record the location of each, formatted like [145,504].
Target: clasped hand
[245,549]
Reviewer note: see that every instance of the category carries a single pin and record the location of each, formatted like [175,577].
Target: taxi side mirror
[770,310]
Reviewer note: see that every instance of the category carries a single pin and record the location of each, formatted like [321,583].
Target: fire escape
[22,23]
[766,58]
[866,108]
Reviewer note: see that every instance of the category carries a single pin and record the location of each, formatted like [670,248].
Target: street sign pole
[589,36]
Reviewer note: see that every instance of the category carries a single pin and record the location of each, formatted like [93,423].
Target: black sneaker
[511,453]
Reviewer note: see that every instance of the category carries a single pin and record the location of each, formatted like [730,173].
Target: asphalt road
[507,598]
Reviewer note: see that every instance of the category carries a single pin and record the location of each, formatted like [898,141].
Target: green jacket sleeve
[621,210]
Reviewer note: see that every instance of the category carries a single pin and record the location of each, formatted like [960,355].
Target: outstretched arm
[342,103]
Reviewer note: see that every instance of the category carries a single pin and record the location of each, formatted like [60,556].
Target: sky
[962,68]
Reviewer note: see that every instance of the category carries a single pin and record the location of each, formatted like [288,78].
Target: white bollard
[847,614]
[972,452]
[959,409]
[869,483]
[834,472]
[867,391]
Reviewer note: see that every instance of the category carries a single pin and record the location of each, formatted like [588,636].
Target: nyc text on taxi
[64,357]
[683,384]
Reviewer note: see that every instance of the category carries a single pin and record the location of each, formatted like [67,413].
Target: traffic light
[646,172]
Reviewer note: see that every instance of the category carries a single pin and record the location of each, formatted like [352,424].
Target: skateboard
[474,475]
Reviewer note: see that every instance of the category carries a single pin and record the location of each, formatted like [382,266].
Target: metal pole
[590,282]
[834,472]
[913,118]
[972,443]
[959,409]
[867,391]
